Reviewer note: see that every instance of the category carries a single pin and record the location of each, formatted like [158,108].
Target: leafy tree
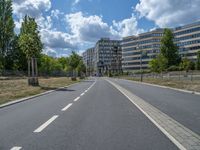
[158,64]
[81,68]
[74,61]
[198,61]
[154,65]
[187,65]
[168,49]
[30,44]
[6,29]
[64,61]
[29,39]
[46,64]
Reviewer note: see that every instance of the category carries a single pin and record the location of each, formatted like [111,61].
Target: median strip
[43,126]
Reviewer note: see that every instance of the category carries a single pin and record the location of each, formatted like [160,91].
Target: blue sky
[67,25]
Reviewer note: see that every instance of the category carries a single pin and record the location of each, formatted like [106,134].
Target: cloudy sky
[67,25]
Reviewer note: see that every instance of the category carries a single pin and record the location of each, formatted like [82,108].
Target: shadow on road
[54,88]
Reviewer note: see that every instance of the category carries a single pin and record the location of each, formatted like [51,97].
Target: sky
[75,25]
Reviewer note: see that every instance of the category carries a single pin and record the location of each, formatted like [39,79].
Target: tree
[81,68]
[168,49]
[154,65]
[187,65]
[31,45]
[74,61]
[158,64]
[64,61]
[29,39]
[198,61]
[6,29]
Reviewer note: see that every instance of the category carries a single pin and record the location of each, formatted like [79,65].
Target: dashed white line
[76,99]
[16,148]
[82,94]
[43,126]
[65,108]
[86,91]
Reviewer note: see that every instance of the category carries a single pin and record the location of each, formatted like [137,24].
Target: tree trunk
[29,72]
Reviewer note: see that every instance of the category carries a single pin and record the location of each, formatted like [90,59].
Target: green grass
[18,88]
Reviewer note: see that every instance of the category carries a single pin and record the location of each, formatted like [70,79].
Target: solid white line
[76,99]
[16,148]
[43,126]
[65,108]
[82,94]
[179,145]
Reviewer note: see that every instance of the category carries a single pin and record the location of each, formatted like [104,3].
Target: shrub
[173,68]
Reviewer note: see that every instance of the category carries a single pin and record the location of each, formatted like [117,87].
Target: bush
[173,68]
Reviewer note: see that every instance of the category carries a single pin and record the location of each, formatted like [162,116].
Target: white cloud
[75,2]
[56,13]
[57,39]
[87,28]
[33,8]
[91,28]
[127,27]
[169,12]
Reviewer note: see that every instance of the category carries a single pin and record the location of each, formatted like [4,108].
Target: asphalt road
[181,106]
[98,118]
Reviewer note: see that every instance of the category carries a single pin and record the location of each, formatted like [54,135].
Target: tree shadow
[57,89]
[88,81]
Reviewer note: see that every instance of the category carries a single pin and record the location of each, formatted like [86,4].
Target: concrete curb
[34,96]
[165,87]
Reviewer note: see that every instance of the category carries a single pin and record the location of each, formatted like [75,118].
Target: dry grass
[15,89]
[184,84]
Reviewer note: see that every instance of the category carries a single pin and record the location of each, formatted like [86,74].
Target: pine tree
[168,49]
[6,29]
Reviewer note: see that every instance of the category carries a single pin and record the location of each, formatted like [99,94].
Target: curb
[165,87]
[34,96]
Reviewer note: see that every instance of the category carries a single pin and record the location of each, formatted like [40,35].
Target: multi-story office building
[88,59]
[187,38]
[142,47]
[107,56]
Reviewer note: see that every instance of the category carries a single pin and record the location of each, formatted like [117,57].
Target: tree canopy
[168,49]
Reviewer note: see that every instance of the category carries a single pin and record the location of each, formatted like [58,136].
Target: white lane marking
[179,145]
[88,88]
[43,126]
[76,99]
[65,108]
[16,148]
